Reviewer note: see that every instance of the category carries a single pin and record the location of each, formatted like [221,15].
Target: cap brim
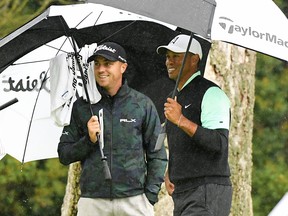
[91,58]
[176,49]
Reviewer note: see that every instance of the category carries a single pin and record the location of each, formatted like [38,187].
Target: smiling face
[108,74]
[174,63]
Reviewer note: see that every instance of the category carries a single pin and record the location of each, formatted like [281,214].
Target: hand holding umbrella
[95,131]
[93,126]
[172,111]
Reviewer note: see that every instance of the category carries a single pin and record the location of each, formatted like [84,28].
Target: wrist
[92,138]
[179,120]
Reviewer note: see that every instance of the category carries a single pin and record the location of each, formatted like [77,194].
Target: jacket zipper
[110,149]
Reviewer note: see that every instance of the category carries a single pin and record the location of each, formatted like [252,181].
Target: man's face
[174,63]
[108,74]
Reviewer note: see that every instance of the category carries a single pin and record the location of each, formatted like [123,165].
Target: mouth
[103,76]
[171,70]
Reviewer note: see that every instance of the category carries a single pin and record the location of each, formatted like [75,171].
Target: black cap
[111,51]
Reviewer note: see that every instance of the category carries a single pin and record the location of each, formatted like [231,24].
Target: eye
[108,63]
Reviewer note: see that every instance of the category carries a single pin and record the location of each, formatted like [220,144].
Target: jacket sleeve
[74,144]
[156,160]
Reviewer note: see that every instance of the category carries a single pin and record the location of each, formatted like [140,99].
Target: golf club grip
[106,170]
[9,103]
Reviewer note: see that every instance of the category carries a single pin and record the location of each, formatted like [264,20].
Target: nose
[169,61]
[99,68]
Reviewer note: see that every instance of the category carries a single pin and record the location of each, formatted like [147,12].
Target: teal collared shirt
[215,107]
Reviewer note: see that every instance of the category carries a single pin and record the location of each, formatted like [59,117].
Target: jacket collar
[124,89]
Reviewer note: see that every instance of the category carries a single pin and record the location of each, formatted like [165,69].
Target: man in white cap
[198,176]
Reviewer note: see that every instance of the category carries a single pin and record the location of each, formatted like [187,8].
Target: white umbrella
[255,24]
[27,131]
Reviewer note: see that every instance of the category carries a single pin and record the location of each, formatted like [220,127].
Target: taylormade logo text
[228,25]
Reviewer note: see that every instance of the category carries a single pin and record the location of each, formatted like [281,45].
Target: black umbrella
[146,71]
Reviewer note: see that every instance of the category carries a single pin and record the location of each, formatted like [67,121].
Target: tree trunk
[69,207]
[233,69]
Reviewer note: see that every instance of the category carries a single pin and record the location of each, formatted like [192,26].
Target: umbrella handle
[9,103]
[107,173]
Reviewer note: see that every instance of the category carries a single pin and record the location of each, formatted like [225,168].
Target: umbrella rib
[84,19]
[60,48]
[31,62]
[33,112]
[98,18]
[118,31]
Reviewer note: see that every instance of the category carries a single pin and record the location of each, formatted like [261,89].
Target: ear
[124,67]
[195,59]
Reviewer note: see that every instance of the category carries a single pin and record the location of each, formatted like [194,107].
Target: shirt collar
[198,73]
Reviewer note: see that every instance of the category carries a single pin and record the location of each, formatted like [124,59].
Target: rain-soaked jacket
[131,128]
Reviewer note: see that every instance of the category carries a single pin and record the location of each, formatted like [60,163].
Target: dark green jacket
[131,128]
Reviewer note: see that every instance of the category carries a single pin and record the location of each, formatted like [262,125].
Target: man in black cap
[198,175]
[131,127]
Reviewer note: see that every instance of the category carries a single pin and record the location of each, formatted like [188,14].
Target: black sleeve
[215,140]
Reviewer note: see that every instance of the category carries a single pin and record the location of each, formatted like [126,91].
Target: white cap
[179,45]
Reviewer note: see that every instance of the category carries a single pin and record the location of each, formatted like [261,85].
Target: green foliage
[37,188]
[270,137]
[14,13]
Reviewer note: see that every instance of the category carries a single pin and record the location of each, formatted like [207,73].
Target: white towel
[62,90]
[88,69]
[65,80]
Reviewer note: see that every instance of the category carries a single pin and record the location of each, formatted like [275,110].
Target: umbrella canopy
[257,25]
[185,14]
[24,68]
[146,70]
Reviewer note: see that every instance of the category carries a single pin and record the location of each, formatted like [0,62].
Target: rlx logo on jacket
[128,120]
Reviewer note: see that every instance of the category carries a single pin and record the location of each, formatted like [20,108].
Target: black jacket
[131,128]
